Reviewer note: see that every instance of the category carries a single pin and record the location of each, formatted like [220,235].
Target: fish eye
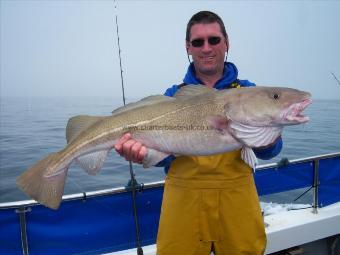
[276,96]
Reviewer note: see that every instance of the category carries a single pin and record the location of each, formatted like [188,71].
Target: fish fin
[77,124]
[254,136]
[46,190]
[218,122]
[150,100]
[92,162]
[192,90]
[153,157]
[248,156]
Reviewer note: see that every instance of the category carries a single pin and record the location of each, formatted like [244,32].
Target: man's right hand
[130,149]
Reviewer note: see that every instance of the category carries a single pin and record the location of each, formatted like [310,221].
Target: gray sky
[69,48]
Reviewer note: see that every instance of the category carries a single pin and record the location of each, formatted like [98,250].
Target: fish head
[268,106]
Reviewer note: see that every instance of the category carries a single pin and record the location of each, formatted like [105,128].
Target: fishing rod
[132,182]
[337,80]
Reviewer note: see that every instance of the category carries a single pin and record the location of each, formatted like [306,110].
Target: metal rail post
[22,217]
[316,186]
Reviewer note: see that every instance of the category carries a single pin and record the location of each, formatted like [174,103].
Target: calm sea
[31,128]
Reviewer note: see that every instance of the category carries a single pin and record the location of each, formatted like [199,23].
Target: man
[210,203]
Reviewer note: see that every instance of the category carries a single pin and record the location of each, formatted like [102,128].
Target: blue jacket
[228,79]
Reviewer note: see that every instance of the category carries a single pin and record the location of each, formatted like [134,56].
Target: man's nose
[206,46]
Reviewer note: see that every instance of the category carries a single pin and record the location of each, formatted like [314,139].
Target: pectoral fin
[218,122]
[248,156]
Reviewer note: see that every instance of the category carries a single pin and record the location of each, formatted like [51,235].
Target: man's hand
[130,149]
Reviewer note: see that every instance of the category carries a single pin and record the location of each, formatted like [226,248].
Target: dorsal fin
[191,90]
[77,124]
[150,100]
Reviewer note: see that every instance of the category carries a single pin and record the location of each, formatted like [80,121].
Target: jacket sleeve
[270,151]
[246,83]
[170,92]
[166,163]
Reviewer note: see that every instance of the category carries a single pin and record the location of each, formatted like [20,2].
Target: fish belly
[198,143]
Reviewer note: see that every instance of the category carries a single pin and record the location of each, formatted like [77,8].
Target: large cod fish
[196,121]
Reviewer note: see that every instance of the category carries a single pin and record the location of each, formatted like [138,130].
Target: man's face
[208,59]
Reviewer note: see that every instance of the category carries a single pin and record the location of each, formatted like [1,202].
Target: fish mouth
[294,113]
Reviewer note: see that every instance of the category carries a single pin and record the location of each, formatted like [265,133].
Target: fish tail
[46,189]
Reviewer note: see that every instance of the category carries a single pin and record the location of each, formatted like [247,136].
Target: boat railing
[314,161]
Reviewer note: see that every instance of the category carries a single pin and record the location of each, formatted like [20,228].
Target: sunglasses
[213,40]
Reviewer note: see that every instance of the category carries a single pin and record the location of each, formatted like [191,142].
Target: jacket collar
[230,74]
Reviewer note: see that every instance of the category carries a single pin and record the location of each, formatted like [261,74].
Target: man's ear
[227,43]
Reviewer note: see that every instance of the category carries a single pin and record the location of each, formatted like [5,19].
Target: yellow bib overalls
[210,203]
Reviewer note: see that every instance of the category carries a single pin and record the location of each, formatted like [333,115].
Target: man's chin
[208,70]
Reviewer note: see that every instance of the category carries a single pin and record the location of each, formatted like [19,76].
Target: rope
[132,175]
